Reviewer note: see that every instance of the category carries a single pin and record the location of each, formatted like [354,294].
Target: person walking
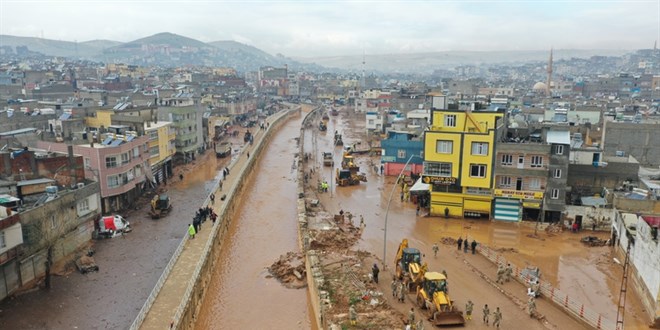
[497,318]
[500,274]
[394,286]
[191,231]
[508,271]
[417,210]
[401,291]
[444,272]
[465,245]
[435,250]
[459,242]
[352,315]
[411,316]
[212,197]
[486,311]
[248,154]
[469,307]
[473,246]
[531,306]
[374,272]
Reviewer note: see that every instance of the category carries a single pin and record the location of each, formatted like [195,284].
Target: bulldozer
[346,177]
[432,296]
[160,206]
[408,265]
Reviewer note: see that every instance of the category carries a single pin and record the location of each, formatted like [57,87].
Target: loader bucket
[448,318]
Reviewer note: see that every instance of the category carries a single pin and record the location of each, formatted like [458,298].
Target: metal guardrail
[560,298]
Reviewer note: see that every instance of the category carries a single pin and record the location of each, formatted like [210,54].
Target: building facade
[459,158]
[398,149]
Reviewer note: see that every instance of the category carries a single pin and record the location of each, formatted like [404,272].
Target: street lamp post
[387,210]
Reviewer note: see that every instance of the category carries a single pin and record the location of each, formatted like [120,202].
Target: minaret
[549,74]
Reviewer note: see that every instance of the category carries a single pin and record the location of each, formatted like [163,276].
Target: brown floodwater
[587,273]
[240,295]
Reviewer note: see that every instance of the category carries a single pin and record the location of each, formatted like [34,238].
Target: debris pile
[505,250]
[593,241]
[554,228]
[290,270]
[448,240]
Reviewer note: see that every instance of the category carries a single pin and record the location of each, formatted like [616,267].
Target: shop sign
[520,194]
[439,180]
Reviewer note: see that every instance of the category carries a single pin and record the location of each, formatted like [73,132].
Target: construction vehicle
[334,112]
[327,159]
[432,296]
[407,262]
[160,206]
[348,174]
[322,126]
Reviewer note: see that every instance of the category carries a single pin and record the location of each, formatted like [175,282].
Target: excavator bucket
[448,318]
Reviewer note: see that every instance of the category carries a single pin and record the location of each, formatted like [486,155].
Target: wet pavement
[129,267]
[241,294]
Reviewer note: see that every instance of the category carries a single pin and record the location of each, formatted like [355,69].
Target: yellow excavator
[432,296]
[408,265]
[348,174]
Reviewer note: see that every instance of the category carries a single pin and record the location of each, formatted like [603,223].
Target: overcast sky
[325,28]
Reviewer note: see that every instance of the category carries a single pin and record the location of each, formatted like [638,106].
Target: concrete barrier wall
[312,262]
[191,301]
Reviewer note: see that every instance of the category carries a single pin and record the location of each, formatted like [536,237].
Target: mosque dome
[540,86]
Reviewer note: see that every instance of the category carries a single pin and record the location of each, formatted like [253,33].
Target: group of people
[203,214]
[464,243]
[398,289]
[323,186]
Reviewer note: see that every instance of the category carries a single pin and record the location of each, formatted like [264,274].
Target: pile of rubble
[290,270]
[554,228]
[448,240]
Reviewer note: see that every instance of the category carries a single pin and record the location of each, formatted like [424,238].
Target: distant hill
[172,50]
[164,38]
[427,62]
[57,47]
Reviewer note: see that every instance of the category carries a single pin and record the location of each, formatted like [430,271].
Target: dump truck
[327,159]
[222,150]
[160,206]
[432,296]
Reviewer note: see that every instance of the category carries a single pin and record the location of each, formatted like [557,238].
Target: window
[438,169]
[557,173]
[83,205]
[153,135]
[125,158]
[450,120]
[153,151]
[507,160]
[136,152]
[535,183]
[505,181]
[555,194]
[401,153]
[3,242]
[477,170]
[113,181]
[479,148]
[371,121]
[559,150]
[110,162]
[444,146]
[537,161]
[88,162]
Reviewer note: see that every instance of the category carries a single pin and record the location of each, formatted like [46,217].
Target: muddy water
[240,295]
[587,273]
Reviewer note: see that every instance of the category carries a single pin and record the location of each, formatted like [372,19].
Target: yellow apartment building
[459,159]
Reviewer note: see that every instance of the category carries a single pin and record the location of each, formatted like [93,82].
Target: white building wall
[13,236]
[646,257]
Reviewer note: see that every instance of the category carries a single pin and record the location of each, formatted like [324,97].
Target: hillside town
[94,150]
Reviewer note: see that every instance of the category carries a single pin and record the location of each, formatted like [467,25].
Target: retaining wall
[312,262]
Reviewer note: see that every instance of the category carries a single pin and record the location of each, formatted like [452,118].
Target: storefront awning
[419,187]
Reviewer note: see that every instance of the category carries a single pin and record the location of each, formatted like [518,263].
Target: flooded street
[241,294]
[588,274]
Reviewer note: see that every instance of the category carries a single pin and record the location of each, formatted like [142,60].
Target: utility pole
[621,306]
